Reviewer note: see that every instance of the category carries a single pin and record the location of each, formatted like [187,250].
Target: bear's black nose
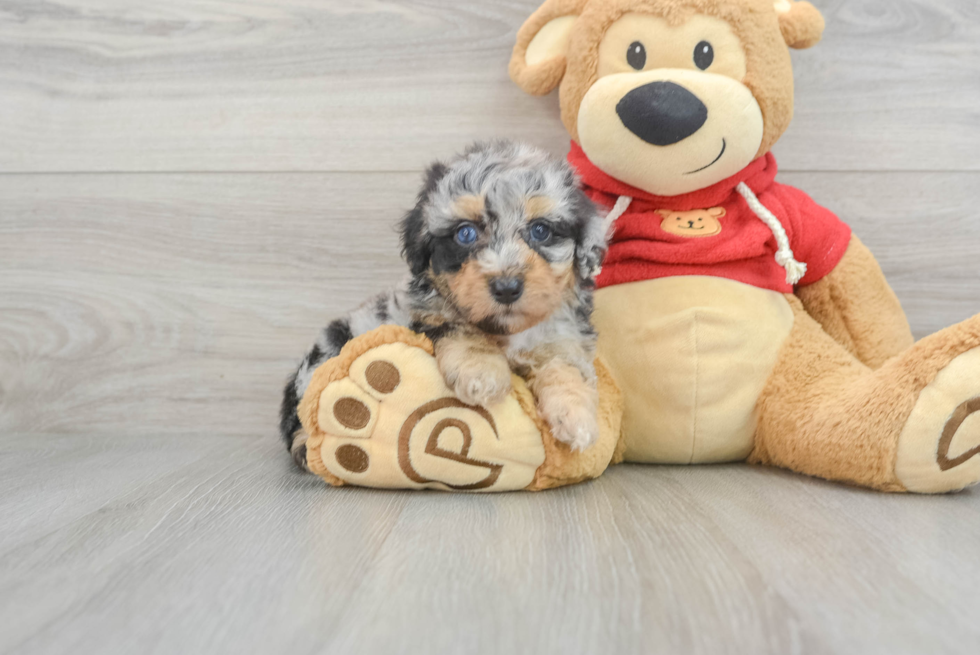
[662,113]
[507,290]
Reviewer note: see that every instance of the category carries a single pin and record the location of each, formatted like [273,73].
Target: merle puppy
[503,248]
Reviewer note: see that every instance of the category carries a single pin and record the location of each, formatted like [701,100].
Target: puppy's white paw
[578,436]
[484,381]
[574,424]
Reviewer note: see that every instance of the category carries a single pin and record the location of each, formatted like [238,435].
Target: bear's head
[669,96]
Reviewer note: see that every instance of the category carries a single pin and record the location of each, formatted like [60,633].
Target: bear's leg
[912,425]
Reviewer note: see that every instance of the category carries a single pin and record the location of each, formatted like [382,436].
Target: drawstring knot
[795,270]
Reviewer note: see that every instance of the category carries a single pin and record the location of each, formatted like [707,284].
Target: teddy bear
[739,320]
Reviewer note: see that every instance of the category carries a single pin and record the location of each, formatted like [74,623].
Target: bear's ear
[538,62]
[800,22]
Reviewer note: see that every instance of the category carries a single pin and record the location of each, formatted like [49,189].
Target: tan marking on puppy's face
[670,113]
[469,207]
[692,224]
[469,290]
[538,207]
[544,292]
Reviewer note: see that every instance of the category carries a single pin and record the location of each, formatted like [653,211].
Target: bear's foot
[939,447]
[381,415]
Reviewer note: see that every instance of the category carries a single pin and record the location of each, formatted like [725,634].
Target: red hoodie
[743,250]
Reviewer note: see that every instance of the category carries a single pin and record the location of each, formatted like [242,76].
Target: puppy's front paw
[572,421]
[484,381]
[579,433]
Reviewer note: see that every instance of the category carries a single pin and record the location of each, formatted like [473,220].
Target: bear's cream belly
[691,355]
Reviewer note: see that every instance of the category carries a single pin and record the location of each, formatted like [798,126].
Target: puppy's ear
[538,61]
[416,242]
[801,23]
[592,241]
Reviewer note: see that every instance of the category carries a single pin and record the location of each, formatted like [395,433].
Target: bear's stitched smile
[724,146]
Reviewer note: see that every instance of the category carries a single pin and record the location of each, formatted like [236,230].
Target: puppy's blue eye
[540,232]
[466,235]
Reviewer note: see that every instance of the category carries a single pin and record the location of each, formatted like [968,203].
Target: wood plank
[53,480]
[893,86]
[284,85]
[241,554]
[182,301]
[187,299]
[803,536]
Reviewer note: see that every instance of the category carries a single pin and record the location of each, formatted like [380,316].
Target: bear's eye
[704,55]
[636,56]
[466,235]
[541,232]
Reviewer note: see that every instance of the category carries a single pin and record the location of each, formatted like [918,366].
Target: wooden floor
[188,190]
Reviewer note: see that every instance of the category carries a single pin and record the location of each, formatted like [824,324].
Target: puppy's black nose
[662,113]
[507,290]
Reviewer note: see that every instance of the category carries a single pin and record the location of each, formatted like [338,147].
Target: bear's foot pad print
[380,415]
[939,448]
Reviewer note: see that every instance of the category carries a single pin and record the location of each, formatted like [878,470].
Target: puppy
[502,248]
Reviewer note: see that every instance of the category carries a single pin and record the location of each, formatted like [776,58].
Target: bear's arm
[855,305]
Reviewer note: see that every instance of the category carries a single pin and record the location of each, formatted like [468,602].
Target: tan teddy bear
[740,320]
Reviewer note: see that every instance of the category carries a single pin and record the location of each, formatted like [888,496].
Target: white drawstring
[618,210]
[795,270]
[784,256]
[622,204]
